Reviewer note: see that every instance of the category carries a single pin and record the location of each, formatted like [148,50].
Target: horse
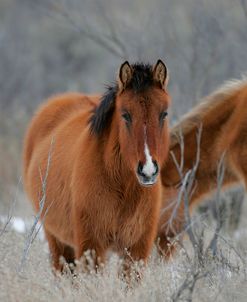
[95,163]
[222,119]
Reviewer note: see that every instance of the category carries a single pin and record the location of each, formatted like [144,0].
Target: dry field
[196,273]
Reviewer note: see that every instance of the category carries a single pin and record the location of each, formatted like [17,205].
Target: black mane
[141,80]
[102,115]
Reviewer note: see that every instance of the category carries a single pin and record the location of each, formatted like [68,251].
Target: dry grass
[222,277]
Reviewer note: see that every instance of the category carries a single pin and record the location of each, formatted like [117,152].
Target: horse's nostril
[156,167]
[139,169]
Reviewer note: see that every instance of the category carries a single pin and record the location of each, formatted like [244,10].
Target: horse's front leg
[88,251]
[90,254]
[140,251]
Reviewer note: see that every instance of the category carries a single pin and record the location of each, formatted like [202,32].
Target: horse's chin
[147,182]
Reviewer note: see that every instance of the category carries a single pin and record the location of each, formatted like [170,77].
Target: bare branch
[40,215]
[220,177]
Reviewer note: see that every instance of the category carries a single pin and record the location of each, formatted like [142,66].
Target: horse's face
[142,119]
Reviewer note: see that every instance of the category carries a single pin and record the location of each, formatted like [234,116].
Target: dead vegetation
[195,273]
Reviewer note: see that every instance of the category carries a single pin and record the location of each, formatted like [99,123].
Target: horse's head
[140,112]
[142,104]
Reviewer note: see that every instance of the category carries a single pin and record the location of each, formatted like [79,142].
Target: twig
[220,177]
[33,232]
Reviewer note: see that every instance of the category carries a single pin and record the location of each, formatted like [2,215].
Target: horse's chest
[121,223]
[120,229]
[130,228]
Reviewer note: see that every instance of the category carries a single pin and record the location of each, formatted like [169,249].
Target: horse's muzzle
[147,179]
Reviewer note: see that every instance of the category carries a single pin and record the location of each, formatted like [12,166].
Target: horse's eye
[163,115]
[127,117]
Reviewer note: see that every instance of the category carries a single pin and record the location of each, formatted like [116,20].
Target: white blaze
[149,168]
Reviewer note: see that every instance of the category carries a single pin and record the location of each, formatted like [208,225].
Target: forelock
[142,77]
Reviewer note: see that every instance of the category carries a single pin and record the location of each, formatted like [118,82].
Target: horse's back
[54,113]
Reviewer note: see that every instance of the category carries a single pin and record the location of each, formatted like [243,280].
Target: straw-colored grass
[220,278]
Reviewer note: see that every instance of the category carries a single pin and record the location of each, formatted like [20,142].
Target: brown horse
[222,116]
[97,163]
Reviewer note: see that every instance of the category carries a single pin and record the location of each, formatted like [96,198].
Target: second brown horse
[222,119]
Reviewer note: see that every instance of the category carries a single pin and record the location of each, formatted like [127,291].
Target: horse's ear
[125,75]
[160,74]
